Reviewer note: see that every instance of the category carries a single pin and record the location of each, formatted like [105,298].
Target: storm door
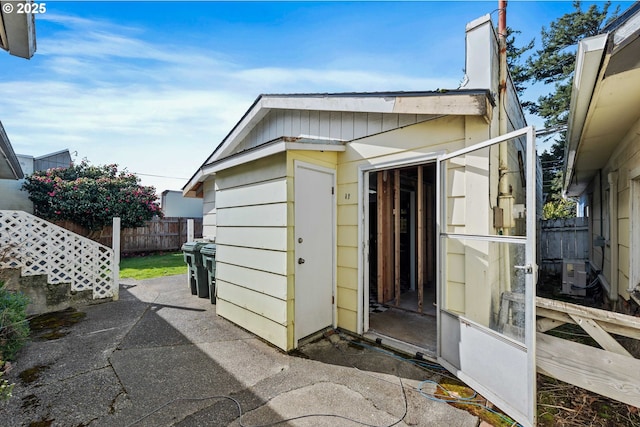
[486,309]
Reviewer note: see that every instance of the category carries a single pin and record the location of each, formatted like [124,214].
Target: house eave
[588,60]
[17,31]
[605,107]
[9,164]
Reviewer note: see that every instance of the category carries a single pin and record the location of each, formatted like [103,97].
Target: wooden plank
[599,371]
[263,282]
[396,234]
[430,235]
[545,324]
[609,327]
[605,340]
[388,232]
[589,312]
[420,238]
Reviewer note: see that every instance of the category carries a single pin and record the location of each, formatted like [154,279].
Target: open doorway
[402,255]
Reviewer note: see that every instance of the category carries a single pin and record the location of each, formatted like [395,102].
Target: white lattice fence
[39,247]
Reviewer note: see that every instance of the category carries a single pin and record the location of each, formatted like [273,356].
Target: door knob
[300,260]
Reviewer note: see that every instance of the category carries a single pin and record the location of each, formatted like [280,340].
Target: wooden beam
[592,313]
[545,324]
[611,328]
[605,340]
[388,238]
[396,234]
[617,323]
[430,235]
[420,239]
[603,372]
[380,249]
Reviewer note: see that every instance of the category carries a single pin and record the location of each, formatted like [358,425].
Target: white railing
[37,247]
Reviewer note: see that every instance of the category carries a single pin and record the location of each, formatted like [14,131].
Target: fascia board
[588,61]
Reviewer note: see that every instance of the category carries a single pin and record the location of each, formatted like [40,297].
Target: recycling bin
[197,274]
[208,253]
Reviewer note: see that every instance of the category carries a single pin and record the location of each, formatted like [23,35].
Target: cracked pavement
[161,357]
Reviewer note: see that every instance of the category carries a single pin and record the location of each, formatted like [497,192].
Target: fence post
[115,245]
[190,230]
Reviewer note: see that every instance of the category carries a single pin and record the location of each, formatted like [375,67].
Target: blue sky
[154,86]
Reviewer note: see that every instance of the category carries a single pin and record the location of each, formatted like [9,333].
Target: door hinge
[332,190]
[333,299]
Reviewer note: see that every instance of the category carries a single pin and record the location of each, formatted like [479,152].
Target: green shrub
[91,196]
[14,328]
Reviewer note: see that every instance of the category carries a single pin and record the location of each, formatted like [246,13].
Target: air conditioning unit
[574,277]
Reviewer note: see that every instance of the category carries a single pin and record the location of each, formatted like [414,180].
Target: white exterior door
[314,248]
[487,228]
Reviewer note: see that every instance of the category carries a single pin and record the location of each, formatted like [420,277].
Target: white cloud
[104,91]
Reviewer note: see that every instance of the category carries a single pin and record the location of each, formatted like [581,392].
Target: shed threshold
[399,346]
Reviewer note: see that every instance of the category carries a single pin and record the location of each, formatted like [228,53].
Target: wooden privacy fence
[159,234]
[563,239]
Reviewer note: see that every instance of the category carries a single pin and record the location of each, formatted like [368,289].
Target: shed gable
[324,125]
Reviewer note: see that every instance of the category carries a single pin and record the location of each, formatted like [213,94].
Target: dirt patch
[30,401]
[561,404]
[32,374]
[42,423]
[53,326]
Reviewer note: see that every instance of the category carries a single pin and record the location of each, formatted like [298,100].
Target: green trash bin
[208,253]
[197,276]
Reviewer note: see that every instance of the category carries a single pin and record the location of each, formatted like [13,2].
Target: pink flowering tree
[91,196]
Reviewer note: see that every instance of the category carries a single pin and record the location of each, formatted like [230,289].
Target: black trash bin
[197,272]
[208,253]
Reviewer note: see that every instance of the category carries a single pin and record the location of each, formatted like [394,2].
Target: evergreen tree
[554,63]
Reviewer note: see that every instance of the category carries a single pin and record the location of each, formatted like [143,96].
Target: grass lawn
[150,266]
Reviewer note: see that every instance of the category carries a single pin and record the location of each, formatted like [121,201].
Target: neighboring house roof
[17,30]
[59,159]
[476,102]
[9,164]
[605,99]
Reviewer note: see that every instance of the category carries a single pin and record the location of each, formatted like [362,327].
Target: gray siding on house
[324,125]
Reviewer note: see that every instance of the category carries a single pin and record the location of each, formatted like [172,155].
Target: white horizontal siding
[264,305]
[251,217]
[271,238]
[254,194]
[258,259]
[265,328]
[274,215]
[263,282]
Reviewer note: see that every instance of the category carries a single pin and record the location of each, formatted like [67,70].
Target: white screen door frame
[488,359]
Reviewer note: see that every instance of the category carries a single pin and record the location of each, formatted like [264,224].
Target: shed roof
[477,102]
